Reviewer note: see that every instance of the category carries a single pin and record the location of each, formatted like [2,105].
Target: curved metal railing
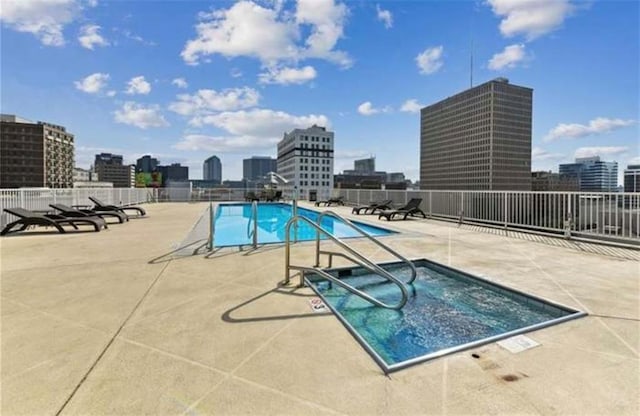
[361,260]
[252,232]
[414,272]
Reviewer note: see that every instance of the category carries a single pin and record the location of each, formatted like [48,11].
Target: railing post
[506,209]
[255,224]
[211,227]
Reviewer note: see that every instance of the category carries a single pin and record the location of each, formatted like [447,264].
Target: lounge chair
[412,208]
[251,196]
[372,207]
[70,212]
[101,206]
[275,197]
[338,201]
[28,218]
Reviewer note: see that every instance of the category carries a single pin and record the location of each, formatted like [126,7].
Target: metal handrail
[212,228]
[253,232]
[414,272]
[362,261]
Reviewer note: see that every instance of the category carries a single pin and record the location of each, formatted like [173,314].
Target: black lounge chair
[338,201]
[372,207]
[70,212]
[28,218]
[275,197]
[251,196]
[412,208]
[100,206]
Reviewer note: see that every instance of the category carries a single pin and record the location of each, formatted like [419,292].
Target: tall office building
[305,159]
[479,139]
[632,178]
[147,164]
[110,168]
[34,154]
[542,181]
[212,170]
[257,167]
[592,174]
[367,165]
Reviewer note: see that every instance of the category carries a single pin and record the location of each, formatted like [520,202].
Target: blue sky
[182,80]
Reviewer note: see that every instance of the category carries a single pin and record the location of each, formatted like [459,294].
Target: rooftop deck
[111,323]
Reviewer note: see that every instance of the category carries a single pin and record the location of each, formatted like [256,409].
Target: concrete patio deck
[110,323]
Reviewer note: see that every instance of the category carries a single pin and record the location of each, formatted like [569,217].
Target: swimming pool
[447,311]
[233,223]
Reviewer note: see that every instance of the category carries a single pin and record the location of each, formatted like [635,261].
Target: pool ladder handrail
[361,260]
[414,272]
[253,232]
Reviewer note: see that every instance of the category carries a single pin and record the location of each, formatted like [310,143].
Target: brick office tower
[35,154]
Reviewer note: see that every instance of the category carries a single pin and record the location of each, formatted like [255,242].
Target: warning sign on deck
[317,305]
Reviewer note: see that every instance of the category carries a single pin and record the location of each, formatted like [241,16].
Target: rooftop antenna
[471,51]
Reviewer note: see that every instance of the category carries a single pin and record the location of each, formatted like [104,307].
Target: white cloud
[271,35]
[90,37]
[140,116]
[531,18]
[602,151]
[508,58]
[367,109]
[208,101]
[539,154]
[224,144]
[260,122]
[253,129]
[327,19]
[430,60]
[288,75]
[411,106]
[235,73]
[45,19]
[385,17]
[245,29]
[93,83]
[596,126]
[180,82]
[138,85]
[111,93]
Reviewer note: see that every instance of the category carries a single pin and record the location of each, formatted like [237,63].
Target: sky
[184,80]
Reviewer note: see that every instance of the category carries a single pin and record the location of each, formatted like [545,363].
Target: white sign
[518,344]
[318,306]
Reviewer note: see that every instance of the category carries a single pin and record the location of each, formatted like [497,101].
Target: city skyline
[184,94]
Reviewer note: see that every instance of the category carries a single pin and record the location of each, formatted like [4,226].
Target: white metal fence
[612,216]
[38,199]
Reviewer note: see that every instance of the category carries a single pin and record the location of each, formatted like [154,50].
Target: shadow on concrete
[226,316]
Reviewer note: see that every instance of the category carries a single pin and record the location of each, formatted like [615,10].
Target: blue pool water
[232,223]
[447,309]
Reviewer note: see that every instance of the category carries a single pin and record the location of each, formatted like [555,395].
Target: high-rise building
[592,174]
[257,167]
[367,165]
[110,168]
[550,181]
[212,170]
[174,172]
[632,178]
[34,154]
[479,139]
[147,164]
[305,159]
